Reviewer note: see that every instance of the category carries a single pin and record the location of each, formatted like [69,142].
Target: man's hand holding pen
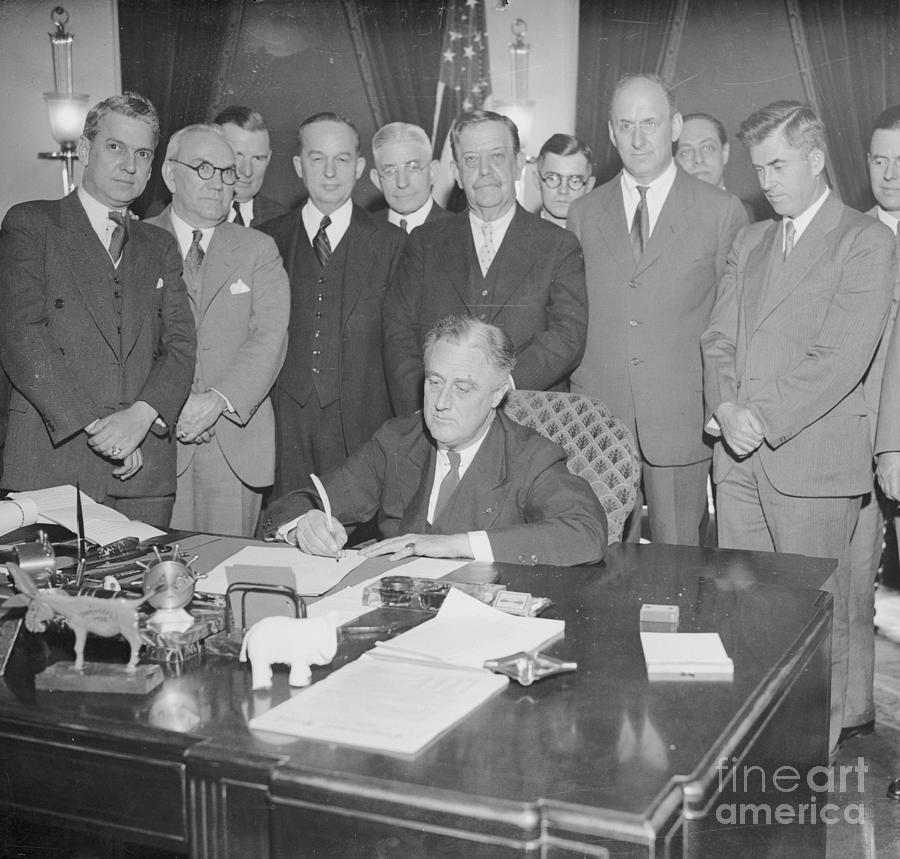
[314,535]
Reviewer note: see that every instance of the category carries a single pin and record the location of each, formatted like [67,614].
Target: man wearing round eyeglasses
[563,175]
[240,298]
[404,171]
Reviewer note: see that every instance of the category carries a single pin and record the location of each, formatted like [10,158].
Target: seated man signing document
[458,479]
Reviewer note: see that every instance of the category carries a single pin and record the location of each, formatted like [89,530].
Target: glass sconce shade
[67,113]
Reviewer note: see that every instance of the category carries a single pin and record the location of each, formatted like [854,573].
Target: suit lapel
[455,249]
[482,489]
[513,260]
[218,266]
[88,269]
[756,276]
[356,268]
[609,222]
[138,295]
[673,218]
[810,247]
[420,460]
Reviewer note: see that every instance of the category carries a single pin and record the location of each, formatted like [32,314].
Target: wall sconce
[520,110]
[66,109]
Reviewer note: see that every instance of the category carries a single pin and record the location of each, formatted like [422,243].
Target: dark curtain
[854,51]
[616,37]
[403,45]
[171,53]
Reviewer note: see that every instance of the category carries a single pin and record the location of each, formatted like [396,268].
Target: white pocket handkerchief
[159,284]
[239,287]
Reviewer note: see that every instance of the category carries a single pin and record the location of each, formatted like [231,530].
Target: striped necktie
[321,245]
[119,237]
[640,225]
[195,254]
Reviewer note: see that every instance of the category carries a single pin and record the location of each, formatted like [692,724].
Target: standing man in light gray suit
[797,319]
[655,241]
[240,298]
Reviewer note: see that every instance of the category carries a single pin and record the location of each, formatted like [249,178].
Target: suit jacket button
[521,559]
[534,559]
[59,304]
[633,284]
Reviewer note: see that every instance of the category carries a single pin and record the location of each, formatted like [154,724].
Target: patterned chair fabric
[599,446]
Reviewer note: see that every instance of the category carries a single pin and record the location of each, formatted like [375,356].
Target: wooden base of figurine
[99,677]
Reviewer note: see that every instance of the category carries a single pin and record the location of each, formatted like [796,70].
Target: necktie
[238,217]
[119,235]
[194,258]
[321,245]
[448,484]
[487,251]
[640,226]
[404,225]
[789,233]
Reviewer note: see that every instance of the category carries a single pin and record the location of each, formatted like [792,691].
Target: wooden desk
[595,763]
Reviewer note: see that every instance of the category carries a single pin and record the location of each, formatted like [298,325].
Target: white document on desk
[384,704]
[314,574]
[102,524]
[467,632]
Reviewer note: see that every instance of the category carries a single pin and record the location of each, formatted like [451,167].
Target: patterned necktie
[487,251]
[404,225]
[321,245]
[789,232]
[194,258]
[640,225]
[448,484]
[238,217]
[119,235]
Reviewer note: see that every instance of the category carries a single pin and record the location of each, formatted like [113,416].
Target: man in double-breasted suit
[495,261]
[95,331]
[655,241]
[796,322]
[331,394]
[458,479]
[240,299]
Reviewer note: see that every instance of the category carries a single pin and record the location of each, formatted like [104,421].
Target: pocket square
[239,287]
[159,284]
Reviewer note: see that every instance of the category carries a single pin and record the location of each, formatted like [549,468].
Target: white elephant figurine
[298,642]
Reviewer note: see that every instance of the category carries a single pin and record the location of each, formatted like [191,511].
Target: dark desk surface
[601,749]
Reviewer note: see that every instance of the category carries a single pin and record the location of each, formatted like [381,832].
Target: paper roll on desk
[15,514]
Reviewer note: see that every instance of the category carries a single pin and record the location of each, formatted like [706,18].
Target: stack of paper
[467,632]
[102,525]
[686,655]
[408,691]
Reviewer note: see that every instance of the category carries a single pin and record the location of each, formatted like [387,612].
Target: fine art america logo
[805,794]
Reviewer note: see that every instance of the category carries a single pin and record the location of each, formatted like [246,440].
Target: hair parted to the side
[493,341]
[241,116]
[797,124]
[395,132]
[477,117]
[644,76]
[564,144]
[178,136]
[720,129]
[130,104]
[325,116]
[887,120]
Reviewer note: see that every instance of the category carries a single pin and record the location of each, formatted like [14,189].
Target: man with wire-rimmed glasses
[564,173]
[240,298]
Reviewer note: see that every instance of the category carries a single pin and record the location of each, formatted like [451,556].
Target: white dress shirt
[498,229]
[98,215]
[413,219]
[657,192]
[340,222]
[801,222]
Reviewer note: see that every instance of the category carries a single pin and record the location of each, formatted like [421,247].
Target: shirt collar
[498,227]
[802,221]
[466,454]
[660,186]
[246,211]
[413,219]
[184,232]
[98,215]
[889,219]
[340,220]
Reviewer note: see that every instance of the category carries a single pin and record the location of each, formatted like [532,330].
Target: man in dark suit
[240,299]
[331,394]
[96,333]
[797,319]
[459,479]
[655,241]
[496,262]
[248,135]
[404,172]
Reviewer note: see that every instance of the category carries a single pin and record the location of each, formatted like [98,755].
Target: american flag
[464,81]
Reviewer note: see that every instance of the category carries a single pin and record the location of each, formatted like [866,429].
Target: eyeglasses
[206,171]
[573,180]
[390,171]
